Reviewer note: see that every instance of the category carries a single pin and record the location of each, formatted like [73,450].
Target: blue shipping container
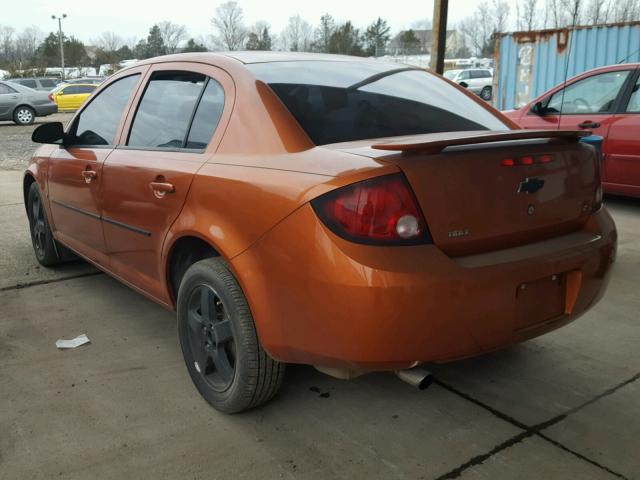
[530,63]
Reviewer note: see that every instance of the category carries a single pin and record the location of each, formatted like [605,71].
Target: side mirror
[538,109]
[51,133]
[464,84]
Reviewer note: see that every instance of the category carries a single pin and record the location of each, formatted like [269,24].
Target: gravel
[16,146]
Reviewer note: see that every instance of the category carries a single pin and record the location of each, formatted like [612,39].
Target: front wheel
[485,94]
[24,115]
[41,237]
[219,342]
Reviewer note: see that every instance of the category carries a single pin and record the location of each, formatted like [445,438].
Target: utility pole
[60,38]
[439,35]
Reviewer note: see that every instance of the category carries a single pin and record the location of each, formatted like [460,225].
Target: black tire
[24,115]
[485,94]
[44,245]
[216,330]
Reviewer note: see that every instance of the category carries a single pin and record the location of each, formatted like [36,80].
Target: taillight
[51,97]
[527,160]
[378,211]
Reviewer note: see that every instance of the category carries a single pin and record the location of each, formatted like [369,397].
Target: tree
[296,37]
[49,50]
[322,35]
[409,41]
[376,36]
[625,10]
[228,22]
[75,55]
[574,11]
[172,35]
[124,53]
[527,15]
[482,27]
[259,38]
[109,41]
[7,51]
[155,43]
[346,40]
[193,46]
[26,47]
[597,12]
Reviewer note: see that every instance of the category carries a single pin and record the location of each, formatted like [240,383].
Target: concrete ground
[566,405]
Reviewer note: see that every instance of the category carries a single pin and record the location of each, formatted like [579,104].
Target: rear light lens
[379,211]
[51,97]
[527,160]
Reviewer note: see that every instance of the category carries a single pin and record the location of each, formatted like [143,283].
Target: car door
[622,158]
[75,172]
[588,103]
[177,124]
[8,101]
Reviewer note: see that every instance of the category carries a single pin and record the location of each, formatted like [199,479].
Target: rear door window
[177,110]
[166,109]
[207,116]
[337,101]
[84,89]
[5,89]
[28,83]
[47,83]
[98,122]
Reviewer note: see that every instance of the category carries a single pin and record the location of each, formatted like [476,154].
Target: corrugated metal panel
[529,63]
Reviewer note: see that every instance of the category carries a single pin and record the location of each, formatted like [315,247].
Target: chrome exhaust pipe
[416,377]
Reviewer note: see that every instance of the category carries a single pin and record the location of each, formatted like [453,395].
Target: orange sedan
[340,212]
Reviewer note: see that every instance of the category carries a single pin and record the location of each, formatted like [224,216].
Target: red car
[606,101]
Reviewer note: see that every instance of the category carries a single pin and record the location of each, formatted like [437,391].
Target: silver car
[23,104]
[478,80]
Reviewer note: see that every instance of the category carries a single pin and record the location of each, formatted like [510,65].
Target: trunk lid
[474,203]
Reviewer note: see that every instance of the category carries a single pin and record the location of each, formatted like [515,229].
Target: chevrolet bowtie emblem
[530,185]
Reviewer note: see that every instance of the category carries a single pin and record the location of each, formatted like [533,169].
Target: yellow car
[70,97]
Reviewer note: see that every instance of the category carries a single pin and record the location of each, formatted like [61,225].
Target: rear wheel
[43,243]
[219,342]
[24,115]
[485,94]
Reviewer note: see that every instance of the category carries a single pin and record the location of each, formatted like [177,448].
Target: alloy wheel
[211,338]
[39,226]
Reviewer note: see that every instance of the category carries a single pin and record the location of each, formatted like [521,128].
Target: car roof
[78,85]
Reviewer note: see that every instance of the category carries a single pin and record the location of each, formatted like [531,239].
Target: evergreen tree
[193,46]
[376,36]
[322,35]
[260,40]
[410,41]
[346,40]
[75,55]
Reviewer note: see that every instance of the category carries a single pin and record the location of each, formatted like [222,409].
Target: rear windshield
[343,101]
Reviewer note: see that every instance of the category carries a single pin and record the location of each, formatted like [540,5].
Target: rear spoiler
[436,142]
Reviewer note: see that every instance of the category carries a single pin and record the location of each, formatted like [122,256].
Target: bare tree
[500,15]
[25,47]
[109,41]
[297,35]
[229,24]
[573,9]
[470,28]
[556,14]
[6,43]
[172,34]
[597,12]
[625,10]
[527,15]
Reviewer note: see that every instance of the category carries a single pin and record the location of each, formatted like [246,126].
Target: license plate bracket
[540,300]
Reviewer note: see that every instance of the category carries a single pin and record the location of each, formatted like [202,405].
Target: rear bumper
[320,300]
[46,109]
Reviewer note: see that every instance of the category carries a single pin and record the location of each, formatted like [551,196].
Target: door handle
[160,189]
[89,175]
[588,124]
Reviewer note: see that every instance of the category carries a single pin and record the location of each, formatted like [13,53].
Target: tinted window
[5,89]
[595,94]
[634,102]
[48,83]
[85,89]
[343,101]
[99,121]
[28,83]
[165,110]
[207,116]
[71,90]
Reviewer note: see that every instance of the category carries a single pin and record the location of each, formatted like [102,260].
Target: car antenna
[566,69]
[624,60]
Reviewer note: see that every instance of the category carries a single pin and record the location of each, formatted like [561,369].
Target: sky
[132,18]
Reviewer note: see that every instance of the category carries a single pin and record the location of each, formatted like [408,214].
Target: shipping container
[529,63]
